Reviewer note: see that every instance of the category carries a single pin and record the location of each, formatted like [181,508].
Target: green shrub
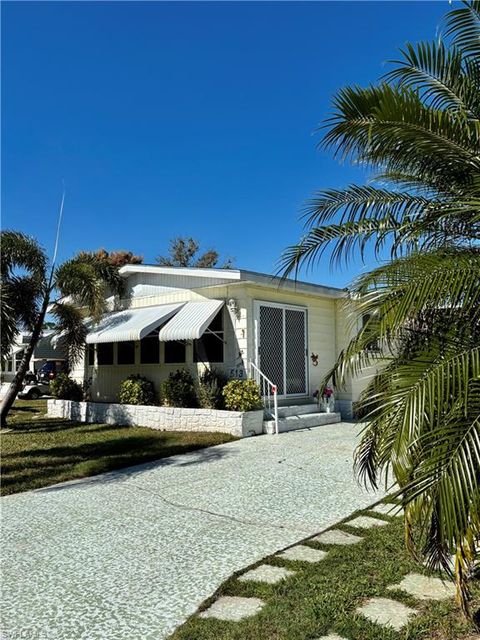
[242,395]
[178,390]
[64,388]
[137,390]
[210,387]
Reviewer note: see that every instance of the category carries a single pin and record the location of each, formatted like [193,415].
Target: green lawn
[322,598]
[38,451]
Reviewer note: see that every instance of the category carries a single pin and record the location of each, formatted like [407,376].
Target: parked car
[50,370]
[37,384]
[34,390]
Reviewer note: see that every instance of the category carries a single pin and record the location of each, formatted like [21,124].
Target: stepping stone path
[233,608]
[366,522]
[388,509]
[332,636]
[303,553]
[336,536]
[267,573]
[382,611]
[388,613]
[425,587]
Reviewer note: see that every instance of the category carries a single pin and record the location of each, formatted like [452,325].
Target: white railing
[268,391]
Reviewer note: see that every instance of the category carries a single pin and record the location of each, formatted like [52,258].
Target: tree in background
[118,258]
[27,288]
[184,252]
[419,131]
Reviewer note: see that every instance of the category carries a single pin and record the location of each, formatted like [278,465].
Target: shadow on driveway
[177,459]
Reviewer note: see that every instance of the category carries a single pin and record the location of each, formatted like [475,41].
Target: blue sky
[169,119]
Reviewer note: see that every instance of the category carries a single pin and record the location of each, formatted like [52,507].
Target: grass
[38,451]
[321,598]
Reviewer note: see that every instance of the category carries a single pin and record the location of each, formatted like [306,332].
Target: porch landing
[299,416]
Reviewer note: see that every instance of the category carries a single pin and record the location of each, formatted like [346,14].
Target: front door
[281,346]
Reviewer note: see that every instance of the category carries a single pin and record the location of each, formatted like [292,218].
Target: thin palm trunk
[17,381]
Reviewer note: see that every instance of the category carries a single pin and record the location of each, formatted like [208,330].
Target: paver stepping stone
[332,636]
[267,573]
[388,509]
[233,608]
[425,587]
[389,613]
[303,553]
[336,536]
[366,522]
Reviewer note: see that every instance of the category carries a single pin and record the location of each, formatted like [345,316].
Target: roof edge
[238,275]
[229,274]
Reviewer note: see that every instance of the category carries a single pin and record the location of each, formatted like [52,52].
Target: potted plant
[325,399]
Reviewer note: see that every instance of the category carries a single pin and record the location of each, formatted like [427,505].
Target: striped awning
[131,324]
[191,321]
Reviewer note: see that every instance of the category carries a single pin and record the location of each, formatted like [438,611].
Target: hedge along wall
[237,423]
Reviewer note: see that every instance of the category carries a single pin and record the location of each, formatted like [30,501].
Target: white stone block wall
[237,423]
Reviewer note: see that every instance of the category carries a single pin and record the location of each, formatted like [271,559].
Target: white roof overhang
[131,324]
[191,322]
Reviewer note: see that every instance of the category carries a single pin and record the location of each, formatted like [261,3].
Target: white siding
[106,379]
[321,327]
[327,335]
[172,281]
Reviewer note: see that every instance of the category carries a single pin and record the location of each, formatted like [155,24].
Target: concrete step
[295,410]
[303,421]
[297,400]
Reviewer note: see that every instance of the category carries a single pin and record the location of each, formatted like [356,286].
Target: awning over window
[131,324]
[191,321]
[15,350]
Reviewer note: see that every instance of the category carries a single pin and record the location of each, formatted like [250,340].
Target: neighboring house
[221,318]
[47,349]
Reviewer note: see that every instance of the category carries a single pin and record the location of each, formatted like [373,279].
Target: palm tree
[419,132]
[27,287]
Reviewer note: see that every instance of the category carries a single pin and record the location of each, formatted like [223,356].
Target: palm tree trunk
[17,381]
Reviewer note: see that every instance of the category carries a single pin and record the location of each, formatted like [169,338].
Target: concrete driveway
[131,554]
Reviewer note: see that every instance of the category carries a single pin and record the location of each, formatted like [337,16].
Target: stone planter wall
[240,424]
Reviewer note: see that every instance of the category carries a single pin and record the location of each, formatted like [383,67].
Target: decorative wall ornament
[233,307]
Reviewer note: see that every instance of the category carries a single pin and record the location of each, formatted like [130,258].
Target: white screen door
[281,346]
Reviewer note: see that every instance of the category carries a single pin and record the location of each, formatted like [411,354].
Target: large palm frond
[105,268]
[79,282]
[388,126]
[405,289]
[22,252]
[87,280]
[419,131]
[364,216]
[464,27]
[23,265]
[71,329]
[424,427]
[440,75]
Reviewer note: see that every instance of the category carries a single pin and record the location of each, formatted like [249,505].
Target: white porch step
[302,421]
[297,410]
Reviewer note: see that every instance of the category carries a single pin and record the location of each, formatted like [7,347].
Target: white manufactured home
[232,320]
